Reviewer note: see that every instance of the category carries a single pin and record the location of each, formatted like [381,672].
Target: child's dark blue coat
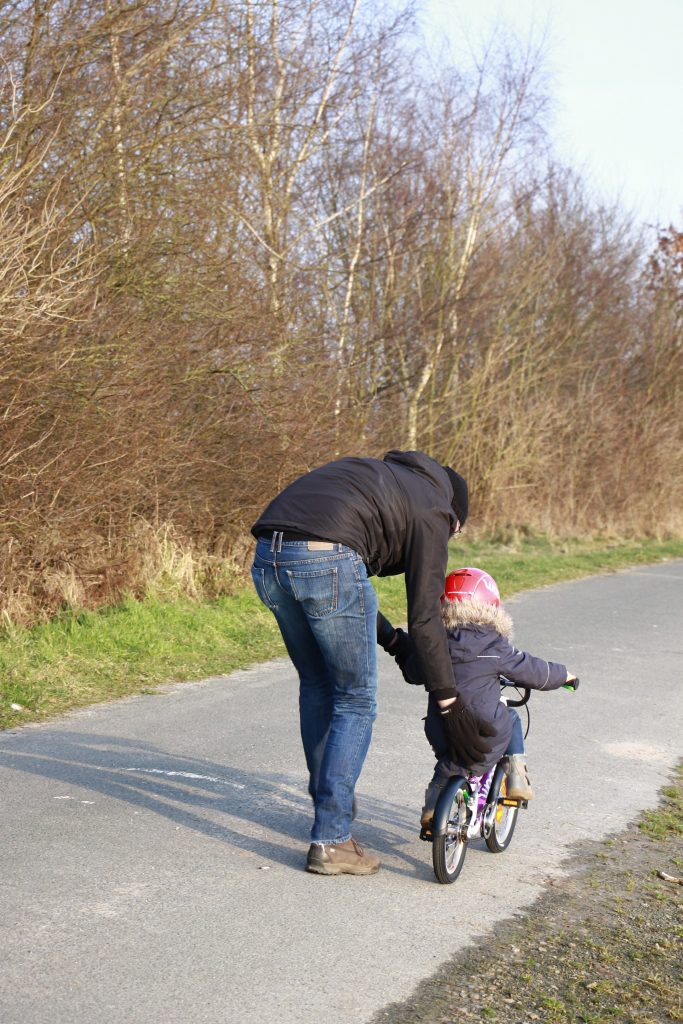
[481,651]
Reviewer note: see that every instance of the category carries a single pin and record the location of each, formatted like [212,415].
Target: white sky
[616,81]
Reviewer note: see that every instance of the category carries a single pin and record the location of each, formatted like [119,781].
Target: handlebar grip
[572,685]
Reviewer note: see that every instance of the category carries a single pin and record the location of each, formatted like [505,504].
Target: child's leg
[445,768]
[435,733]
[516,744]
[518,784]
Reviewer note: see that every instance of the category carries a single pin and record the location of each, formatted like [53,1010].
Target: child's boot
[432,794]
[518,784]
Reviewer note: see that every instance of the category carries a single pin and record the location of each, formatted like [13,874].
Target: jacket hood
[430,470]
[449,482]
[424,464]
[476,614]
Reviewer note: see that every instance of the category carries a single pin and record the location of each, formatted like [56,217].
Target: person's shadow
[241,808]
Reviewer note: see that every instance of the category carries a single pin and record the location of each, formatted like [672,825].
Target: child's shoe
[432,794]
[518,784]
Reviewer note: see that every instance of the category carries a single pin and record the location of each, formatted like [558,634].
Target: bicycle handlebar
[572,686]
[516,703]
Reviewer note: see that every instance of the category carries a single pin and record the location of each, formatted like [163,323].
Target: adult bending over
[318,542]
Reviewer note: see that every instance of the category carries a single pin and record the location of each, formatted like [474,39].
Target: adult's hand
[470,737]
[398,644]
[401,647]
[406,658]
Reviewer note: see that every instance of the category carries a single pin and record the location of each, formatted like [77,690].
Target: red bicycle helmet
[471,585]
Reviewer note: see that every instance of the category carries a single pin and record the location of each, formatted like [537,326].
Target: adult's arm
[386,633]
[426,560]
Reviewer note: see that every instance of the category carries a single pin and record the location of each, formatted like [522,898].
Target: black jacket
[396,513]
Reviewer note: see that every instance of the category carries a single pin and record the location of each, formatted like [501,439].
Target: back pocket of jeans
[259,577]
[315,590]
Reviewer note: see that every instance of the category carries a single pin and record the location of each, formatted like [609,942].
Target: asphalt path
[152,853]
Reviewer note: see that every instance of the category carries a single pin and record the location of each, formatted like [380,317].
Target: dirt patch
[604,944]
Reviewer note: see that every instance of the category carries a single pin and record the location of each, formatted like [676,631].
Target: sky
[615,76]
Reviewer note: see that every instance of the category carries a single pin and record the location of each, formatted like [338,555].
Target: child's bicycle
[474,806]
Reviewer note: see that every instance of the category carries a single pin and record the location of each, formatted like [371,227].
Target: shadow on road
[245,809]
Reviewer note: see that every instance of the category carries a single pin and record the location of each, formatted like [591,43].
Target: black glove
[398,644]
[401,647]
[470,737]
[405,656]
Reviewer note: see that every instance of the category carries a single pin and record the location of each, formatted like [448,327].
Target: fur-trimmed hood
[476,614]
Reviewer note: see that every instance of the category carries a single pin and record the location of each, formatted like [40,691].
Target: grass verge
[602,946]
[83,658]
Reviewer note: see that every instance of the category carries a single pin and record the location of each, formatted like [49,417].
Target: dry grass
[176,347]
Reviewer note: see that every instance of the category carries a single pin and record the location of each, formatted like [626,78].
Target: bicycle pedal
[426,835]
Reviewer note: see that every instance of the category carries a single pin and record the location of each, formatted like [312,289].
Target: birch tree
[471,134]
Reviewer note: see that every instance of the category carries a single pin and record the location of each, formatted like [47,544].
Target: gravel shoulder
[603,944]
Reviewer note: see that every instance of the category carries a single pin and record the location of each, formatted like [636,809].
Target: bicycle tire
[449,849]
[499,835]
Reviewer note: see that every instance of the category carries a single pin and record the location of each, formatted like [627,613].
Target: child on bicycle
[479,640]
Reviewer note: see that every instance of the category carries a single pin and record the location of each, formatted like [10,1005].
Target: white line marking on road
[184,775]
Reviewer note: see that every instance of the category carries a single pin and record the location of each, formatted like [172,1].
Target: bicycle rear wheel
[449,848]
[499,835]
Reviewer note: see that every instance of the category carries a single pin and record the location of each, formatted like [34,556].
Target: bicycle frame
[477,786]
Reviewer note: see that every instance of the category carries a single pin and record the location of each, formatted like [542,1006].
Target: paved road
[152,849]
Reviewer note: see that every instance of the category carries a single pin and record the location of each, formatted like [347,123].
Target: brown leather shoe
[347,858]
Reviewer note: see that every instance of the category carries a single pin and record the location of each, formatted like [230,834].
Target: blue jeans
[326,609]
[516,744]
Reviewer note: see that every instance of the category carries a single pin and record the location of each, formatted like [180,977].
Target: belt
[285,535]
[314,543]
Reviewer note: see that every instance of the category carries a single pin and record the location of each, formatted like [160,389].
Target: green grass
[94,656]
[668,819]
[80,659]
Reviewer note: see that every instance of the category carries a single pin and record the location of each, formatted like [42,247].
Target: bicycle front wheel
[449,849]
